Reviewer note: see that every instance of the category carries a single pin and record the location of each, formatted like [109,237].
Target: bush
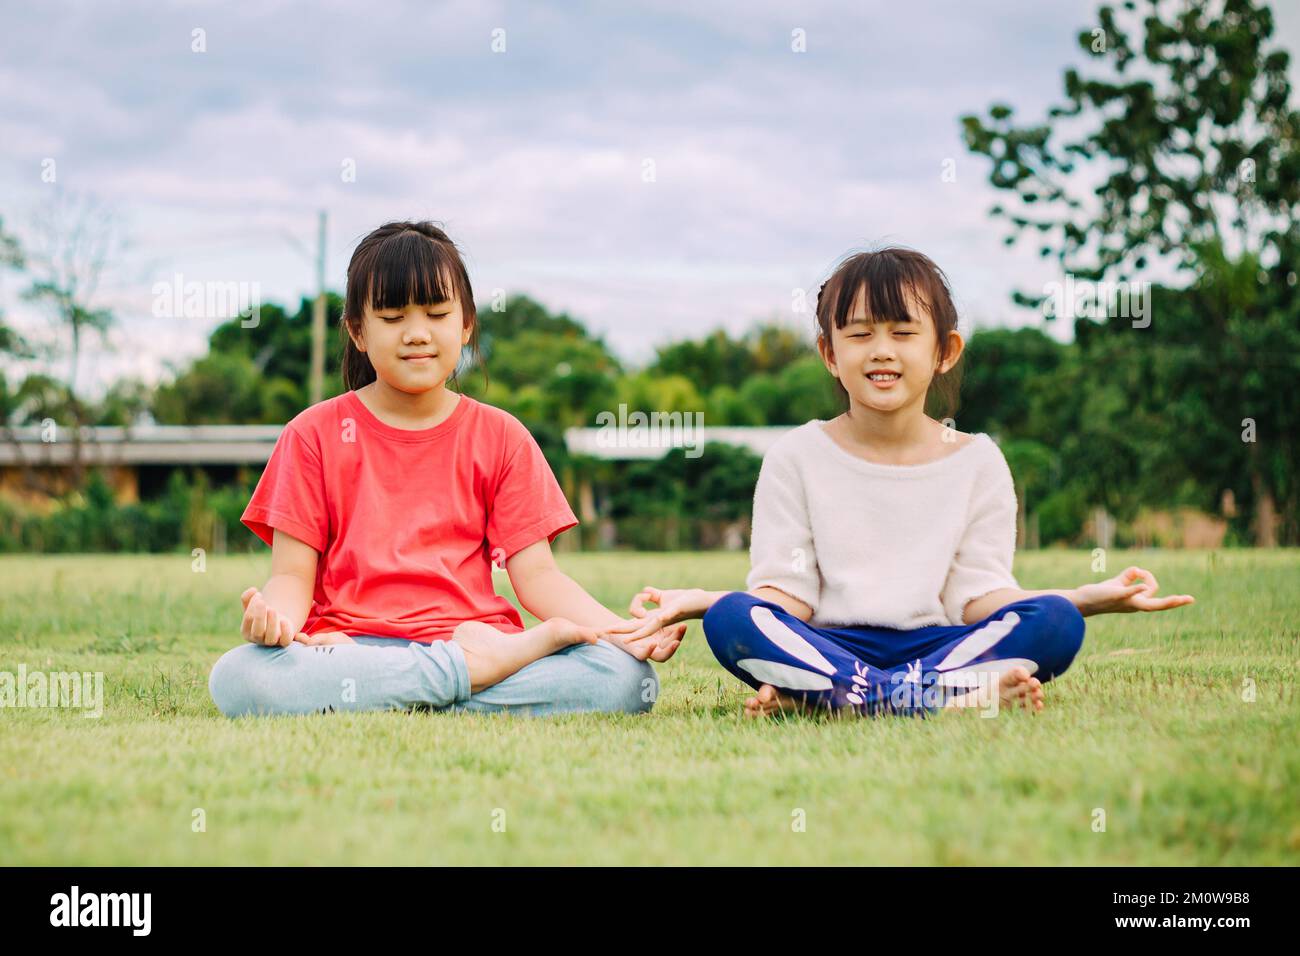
[184,517]
[1061,515]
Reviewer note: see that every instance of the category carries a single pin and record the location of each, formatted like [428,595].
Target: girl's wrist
[706,599]
[1077,598]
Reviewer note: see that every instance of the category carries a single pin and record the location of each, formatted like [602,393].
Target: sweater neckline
[445,427]
[897,471]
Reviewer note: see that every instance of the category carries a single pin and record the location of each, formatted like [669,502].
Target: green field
[1153,725]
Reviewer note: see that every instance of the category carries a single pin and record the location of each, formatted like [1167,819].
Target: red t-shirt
[408,522]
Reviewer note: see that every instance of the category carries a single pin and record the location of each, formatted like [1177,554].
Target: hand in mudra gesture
[676,606]
[1133,589]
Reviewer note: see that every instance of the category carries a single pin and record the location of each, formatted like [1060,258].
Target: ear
[955,346]
[828,355]
[358,338]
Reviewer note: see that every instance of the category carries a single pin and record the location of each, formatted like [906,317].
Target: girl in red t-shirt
[387,508]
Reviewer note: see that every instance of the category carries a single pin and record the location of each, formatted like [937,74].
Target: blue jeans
[879,669]
[385,673]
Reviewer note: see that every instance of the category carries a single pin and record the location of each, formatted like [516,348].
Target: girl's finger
[1164,604]
[256,614]
[623,627]
[647,635]
[271,635]
[247,596]
[643,628]
[668,634]
[640,634]
[1144,577]
[638,649]
[665,651]
[650,625]
[1151,604]
[286,633]
[637,607]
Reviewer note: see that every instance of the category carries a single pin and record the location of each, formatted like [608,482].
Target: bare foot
[492,655]
[770,701]
[1015,689]
[324,637]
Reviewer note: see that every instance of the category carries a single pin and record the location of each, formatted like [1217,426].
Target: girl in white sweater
[882,541]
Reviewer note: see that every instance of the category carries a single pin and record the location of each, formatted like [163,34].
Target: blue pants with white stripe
[877,670]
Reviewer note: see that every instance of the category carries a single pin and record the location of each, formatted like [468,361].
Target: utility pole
[317,386]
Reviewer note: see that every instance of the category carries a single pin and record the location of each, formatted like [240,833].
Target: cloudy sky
[768,164]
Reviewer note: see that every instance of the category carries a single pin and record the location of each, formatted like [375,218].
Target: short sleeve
[290,495]
[984,555]
[528,504]
[781,553]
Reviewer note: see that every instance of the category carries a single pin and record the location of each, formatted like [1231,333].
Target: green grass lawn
[1150,725]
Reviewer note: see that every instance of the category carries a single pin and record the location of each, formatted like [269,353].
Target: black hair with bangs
[886,275]
[397,264]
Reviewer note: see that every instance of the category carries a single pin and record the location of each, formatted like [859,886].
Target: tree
[225,388]
[1203,149]
[716,360]
[15,346]
[11,257]
[39,397]
[279,345]
[253,374]
[650,393]
[76,238]
[570,376]
[1189,136]
[521,314]
[124,402]
[998,365]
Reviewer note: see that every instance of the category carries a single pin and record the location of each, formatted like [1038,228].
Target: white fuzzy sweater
[900,546]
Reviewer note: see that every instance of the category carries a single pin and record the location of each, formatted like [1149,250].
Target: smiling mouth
[417,358]
[885,376]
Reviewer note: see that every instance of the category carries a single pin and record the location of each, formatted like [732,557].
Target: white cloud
[769,164]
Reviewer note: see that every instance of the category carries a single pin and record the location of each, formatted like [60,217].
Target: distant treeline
[1125,419]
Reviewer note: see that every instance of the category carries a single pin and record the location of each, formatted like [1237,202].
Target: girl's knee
[637,688]
[1059,630]
[235,683]
[726,620]
[629,686]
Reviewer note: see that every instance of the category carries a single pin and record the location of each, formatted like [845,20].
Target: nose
[882,348]
[418,334]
